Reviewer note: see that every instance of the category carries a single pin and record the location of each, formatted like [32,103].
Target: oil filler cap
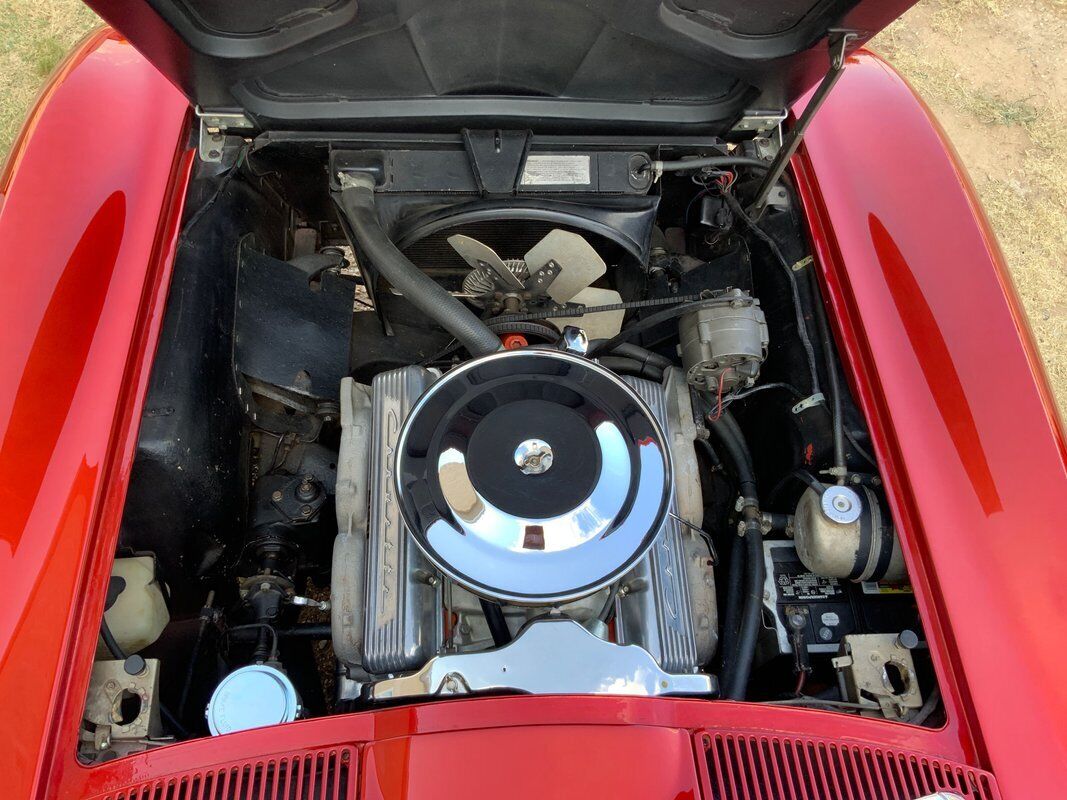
[252,697]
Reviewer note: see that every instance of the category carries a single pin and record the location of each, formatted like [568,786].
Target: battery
[832,608]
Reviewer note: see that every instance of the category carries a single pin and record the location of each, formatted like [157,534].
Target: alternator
[724,346]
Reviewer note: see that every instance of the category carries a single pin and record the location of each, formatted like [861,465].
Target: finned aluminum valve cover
[533,476]
[656,612]
[403,604]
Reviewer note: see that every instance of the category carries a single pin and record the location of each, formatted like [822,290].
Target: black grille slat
[760,767]
[317,775]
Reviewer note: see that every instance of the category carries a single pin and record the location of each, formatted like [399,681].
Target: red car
[525,399]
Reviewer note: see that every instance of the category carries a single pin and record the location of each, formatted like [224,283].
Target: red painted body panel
[972,447]
[88,218]
[518,760]
[928,328]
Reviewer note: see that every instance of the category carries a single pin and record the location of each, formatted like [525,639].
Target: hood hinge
[838,45]
[759,121]
[214,125]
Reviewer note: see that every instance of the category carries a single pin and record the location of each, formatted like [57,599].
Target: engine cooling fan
[557,271]
[482,282]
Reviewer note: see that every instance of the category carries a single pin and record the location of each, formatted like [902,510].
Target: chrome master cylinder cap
[252,697]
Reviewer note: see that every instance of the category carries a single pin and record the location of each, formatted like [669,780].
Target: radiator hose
[745,599]
[356,200]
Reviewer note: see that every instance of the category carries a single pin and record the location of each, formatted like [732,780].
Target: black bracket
[838,45]
[496,158]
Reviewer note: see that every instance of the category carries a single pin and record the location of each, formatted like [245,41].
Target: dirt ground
[994,72]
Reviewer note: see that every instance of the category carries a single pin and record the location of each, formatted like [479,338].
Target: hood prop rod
[838,47]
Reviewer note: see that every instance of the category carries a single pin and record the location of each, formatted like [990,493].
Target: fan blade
[480,256]
[600,325]
[579,263]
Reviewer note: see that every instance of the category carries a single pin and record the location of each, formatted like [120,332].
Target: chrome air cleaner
[532,476]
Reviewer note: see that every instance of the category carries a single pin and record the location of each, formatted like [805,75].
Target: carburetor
[723,346]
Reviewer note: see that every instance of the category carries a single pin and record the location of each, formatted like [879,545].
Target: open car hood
[641,65]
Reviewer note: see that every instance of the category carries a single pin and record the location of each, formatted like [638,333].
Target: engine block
[407,601]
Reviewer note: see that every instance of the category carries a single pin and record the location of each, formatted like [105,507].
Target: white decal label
[830,619]
[547,170]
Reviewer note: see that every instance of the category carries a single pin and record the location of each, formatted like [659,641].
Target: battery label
[795,584]
[872,587]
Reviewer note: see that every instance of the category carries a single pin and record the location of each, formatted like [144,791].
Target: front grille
[310,775]
[735,766]
[757,767]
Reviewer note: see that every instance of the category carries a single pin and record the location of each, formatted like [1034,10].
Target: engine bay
[440,415]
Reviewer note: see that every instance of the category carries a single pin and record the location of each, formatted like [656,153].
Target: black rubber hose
[307,630]
[711,161]
[737,665]
[929,707]
[832,376]
[110,642]
[608,610]
[735,682]
[498,626]
[798,306]
[357,204]
[734,593]
[642,354]
[631,366]
[206,614]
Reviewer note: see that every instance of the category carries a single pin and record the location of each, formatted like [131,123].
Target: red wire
[718,404]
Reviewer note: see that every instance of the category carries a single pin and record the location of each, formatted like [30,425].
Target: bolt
[907,639]
[306,511]
[276,496]
[842,503]
[796,620]
[307,490]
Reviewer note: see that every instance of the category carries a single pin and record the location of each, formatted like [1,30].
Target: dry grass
[34,37]
[994,72]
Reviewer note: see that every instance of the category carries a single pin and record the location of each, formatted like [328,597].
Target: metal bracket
[816,399]
[213,128]
[759,121]
[539,281]
[550,656]
[876,671]
[838,45]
